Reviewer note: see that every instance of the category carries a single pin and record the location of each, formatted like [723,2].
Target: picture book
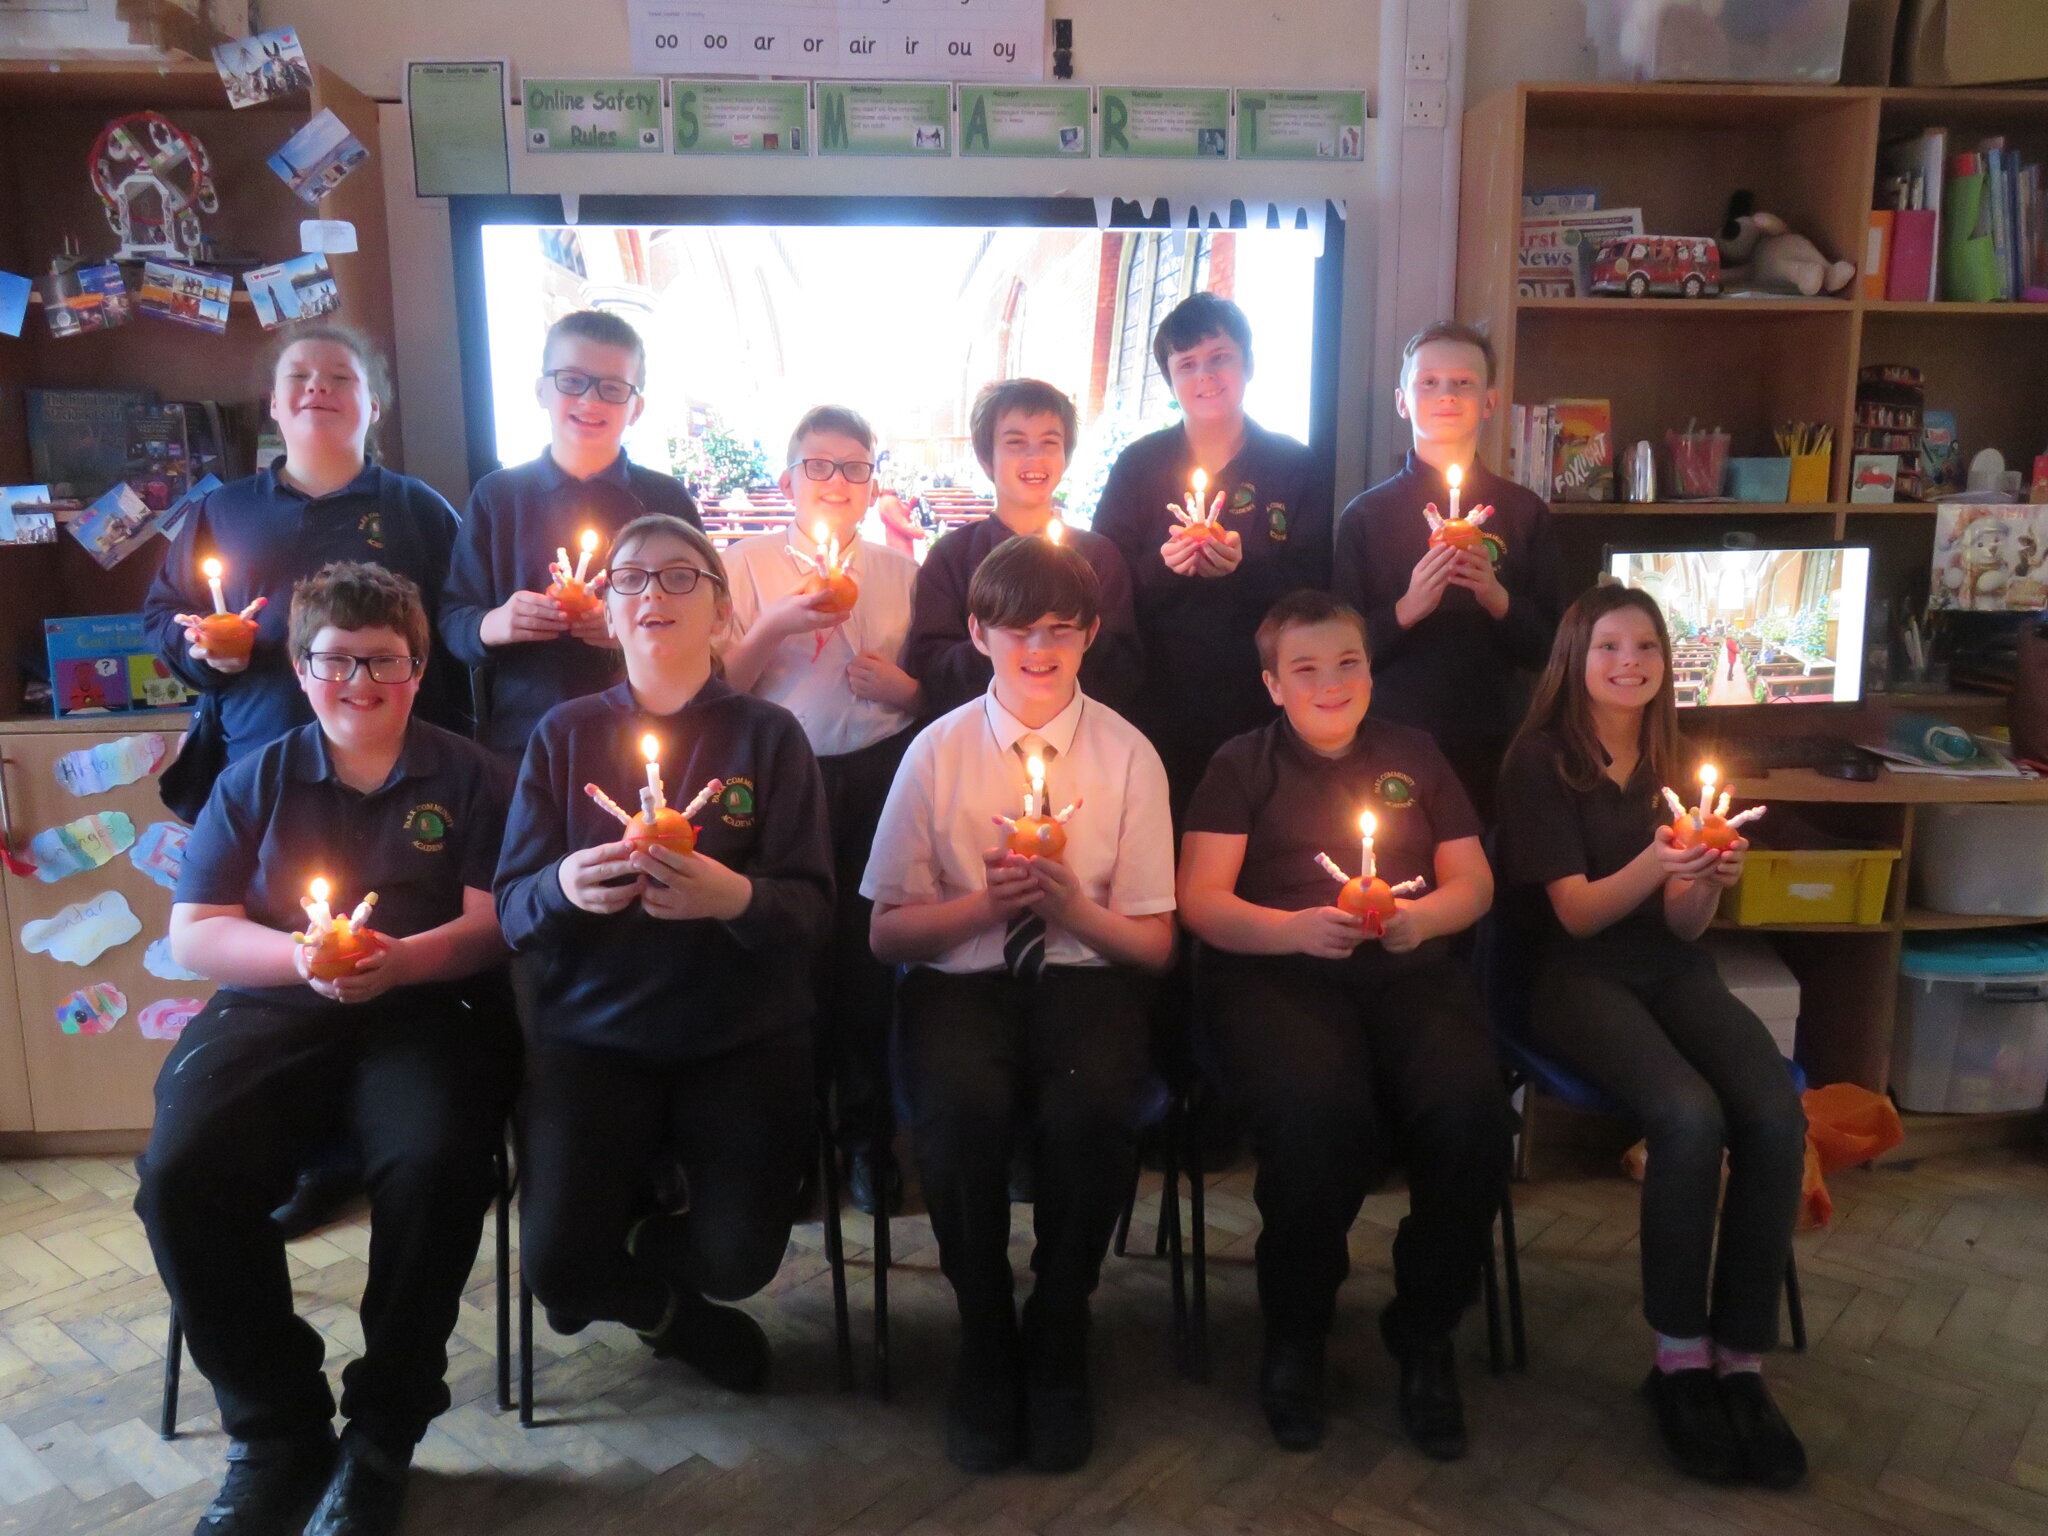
[1582,464]
[1990,557]
[78,438]
[159,467]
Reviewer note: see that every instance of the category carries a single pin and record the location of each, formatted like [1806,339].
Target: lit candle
[822,537]
[1454,477]
[212,569]
[1055,531]
[1367,825]
[589,549]
[651,750]
[316,911]
[1036,768]
[1198,495]
[1708,775]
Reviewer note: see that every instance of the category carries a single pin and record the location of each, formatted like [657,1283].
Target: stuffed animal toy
[1759,250]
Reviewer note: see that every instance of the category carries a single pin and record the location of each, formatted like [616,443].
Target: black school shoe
[1770,1453]
[1291,1391]
[1432,1409]
[726,1346]
[985,1408]
[1692,1416]
[269,1487]
[367,1493]
[1059,1414]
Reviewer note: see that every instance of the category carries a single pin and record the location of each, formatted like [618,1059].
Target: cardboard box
[1973,42]
[104,666]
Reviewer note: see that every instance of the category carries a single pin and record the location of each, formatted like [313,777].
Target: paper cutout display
[93,1011]
[166,1018]
[95,770]
[160,852]
[79,845]
[83,931]
[158,962]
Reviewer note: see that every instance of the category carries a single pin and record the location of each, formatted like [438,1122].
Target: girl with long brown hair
[1626,998]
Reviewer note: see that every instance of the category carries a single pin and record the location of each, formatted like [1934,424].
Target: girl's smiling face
[1625,662]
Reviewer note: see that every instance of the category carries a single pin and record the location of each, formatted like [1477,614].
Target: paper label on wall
[592,117]
[897,119]
[160,852]
[109,764]
[1301,125]
[457,113]
[92,1010]
[79,845]
[841,39]
[83,931]
[1042,121]
[740,117]
[158,962]
[166,1018]
[1153,124]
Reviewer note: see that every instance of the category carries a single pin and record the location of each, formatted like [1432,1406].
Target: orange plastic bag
[1845,1125]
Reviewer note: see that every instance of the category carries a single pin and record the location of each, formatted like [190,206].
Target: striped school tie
[1024,939]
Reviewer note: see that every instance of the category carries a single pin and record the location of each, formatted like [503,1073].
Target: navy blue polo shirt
[516,519]
[939,653]
[1202,682]
[281,817]
[671,991]
[1455,674]
[268,536]
[1290,803]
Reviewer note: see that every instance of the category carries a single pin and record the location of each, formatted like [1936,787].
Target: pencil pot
[1768,480]
[1699,463]
[1809,480]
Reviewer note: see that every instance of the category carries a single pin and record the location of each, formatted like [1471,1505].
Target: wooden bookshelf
[50,114]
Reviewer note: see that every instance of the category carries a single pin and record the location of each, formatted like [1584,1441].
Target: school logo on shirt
[371,526]
[1276,521]
[736,803]
[1396,790]
[428,825]
[1243,499]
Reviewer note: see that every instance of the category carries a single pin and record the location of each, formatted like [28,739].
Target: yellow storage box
[1811,885]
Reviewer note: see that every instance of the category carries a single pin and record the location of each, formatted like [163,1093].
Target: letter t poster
[841,39]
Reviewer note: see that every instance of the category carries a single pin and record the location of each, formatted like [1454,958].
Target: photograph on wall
[313,161]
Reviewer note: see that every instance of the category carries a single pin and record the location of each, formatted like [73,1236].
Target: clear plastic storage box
[1971,1036]
[1982,860]
[1791,40]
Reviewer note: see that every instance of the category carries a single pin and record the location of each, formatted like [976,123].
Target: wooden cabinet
[54,1082]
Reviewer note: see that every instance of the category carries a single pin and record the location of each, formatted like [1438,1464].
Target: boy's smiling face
[1030,458]
[837,501]
[1444,394]
[1322,678]
[360,712]
[583,424]
[1209,380]
[1037,666]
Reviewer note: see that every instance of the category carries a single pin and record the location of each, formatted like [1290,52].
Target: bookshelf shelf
[1941,309]
[1710,508]
[1687,309]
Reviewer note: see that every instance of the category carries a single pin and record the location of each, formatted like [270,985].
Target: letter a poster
[841,39]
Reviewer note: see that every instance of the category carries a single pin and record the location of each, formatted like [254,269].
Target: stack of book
[1561,233]
[1965,228]
[1564,450]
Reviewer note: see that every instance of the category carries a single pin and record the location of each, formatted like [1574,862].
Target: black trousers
[597,1123]
[855,991]
[1342,1068]
[986,1061]
[1661,1033]
[421,1083]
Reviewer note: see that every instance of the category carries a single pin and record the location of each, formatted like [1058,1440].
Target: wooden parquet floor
[1923,1400]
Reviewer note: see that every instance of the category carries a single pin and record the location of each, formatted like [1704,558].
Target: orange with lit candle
[657,821]
[1198,518]
[226,636]
[1459,532]
[572,587]
[1365,895]
[1036,834]
[335,945]
[1709,824]
[829,574]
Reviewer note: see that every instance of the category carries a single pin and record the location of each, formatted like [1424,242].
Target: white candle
[1198,495]
[562,561]
[1367,825]
[1055,531]
[361,915]
[651,750]
[1708,775]
[212,569]
[822,537]
[318,913]
[1036,768]
[703,799]
[589,549]
[1454,477]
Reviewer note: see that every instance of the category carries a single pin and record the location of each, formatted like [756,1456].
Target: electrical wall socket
[1427,61]
[1425,106]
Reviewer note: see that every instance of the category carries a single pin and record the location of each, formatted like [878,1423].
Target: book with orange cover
[1583,459]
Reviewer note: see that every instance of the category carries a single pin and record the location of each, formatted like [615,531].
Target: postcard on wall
[187,295]
[313,161]
[26,516]
[82,299]
[299,289]
[459,140]
[14,292]
[263,68]
[114,527]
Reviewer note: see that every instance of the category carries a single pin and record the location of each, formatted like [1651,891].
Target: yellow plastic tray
[1820,885]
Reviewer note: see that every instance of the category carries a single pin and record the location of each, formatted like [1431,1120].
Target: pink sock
[1728,1361]
[1683,1354]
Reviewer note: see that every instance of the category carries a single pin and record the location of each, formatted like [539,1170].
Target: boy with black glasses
[496,611]
[838,671]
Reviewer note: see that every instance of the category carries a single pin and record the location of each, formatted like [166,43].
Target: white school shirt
[764,568]
[963,769]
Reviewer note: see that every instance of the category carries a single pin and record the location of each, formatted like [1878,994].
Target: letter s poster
[841,39]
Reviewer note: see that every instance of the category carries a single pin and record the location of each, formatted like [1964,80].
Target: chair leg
[1118,1243]
[504,1285]
[835,1244]
[1170,1232]
[174,1356]
[884,1383]
[525,1354]
[1793,1303]
[1489,1286]
[1511,1267]
[1198,1288]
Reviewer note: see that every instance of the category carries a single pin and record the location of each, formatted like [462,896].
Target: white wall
[1513,40]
